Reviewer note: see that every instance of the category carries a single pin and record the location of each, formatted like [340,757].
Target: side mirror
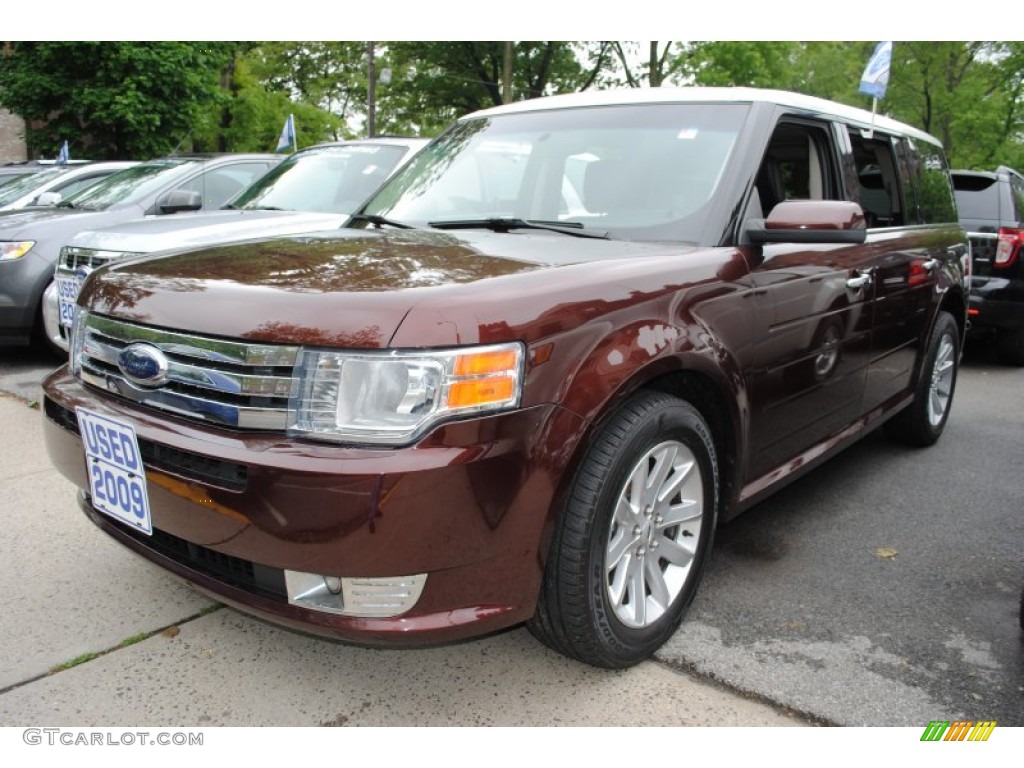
[48,199]
[178,200]
[810,221]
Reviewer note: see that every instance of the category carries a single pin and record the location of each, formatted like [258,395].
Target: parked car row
[65,231]
[530,375]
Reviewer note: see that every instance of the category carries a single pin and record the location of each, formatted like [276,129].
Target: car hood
[13,223]
[55,227]
[165,233]
[354,288]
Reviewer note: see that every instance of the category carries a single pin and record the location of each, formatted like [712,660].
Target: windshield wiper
[507,224]
[379,221]
[262,208]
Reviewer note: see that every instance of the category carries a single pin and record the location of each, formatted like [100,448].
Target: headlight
[9,251]
[390,398]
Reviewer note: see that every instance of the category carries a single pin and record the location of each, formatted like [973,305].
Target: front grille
[72,259]
[235,384]
[244,574]
[188,466]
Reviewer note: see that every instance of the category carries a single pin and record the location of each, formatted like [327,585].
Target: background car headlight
[390,398]
[11,250]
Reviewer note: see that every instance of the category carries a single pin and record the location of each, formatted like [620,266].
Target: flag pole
[874,108]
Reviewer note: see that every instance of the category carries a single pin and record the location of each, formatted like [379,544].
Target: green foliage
[435,82]
[249,116]
[110,99]
[138,100]
[756,64]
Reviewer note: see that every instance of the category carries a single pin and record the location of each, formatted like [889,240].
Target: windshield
[22,185]
[641,172]
[131,185]
[324,179]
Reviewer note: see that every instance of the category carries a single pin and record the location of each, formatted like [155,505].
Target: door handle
[860,281]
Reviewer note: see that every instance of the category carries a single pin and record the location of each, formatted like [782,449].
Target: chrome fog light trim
[379,597]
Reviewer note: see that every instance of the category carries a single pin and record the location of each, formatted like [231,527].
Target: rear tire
[634,537]
[921,423]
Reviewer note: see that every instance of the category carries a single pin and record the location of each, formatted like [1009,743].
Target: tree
[435,82]
[755,64]
[110,100]
[328,75]
[659,66]
[249,116]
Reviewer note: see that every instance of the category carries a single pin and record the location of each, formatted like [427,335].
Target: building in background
[12,138]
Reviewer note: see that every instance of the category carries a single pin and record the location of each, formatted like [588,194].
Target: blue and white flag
[287,142]
[875,79]
[64,155]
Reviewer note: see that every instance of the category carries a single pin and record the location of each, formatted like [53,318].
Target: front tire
[921,423]
[634,537]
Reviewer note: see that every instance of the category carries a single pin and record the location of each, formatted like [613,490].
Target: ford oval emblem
[83,272]
[143,364]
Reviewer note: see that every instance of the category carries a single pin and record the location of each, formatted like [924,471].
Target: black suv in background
[991,206]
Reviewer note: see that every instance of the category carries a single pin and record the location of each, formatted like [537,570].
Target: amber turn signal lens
[494,389]
[478,363]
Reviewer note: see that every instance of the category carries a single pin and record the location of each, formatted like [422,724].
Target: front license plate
[117,479]
[67,292]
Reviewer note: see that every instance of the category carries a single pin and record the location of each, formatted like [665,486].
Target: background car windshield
[25,184]
[323,180]
[131,185]
[644,172]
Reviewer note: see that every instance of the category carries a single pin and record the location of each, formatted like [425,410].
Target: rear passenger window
[929,178]
[798,165]
[877,180]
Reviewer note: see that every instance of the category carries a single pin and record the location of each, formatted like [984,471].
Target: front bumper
[51,318]
[469,506]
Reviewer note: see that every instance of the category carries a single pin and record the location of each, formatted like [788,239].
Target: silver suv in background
[314,189]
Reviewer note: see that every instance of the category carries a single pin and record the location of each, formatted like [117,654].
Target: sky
[473,19]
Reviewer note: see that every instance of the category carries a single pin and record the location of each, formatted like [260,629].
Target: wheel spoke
[625,513]
[669,488]
[675,552]
[638,487]
[618,547]
[620,578]
[683,512]
[656,583]
[663,464]
[637,593]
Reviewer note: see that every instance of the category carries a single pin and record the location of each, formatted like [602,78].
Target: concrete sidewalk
[142,649]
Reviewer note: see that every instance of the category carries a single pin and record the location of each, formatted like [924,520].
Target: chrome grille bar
[71,258]
[224,382]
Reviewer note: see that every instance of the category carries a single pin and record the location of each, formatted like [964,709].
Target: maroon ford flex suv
[527,382]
